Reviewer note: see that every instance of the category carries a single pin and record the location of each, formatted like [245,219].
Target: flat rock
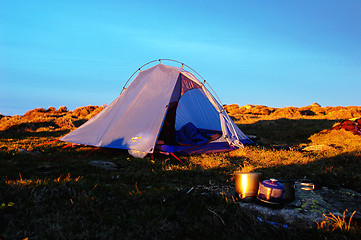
[303,212]
[308,207]
[104,164]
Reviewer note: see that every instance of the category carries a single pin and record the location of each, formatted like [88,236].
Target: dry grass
[253,113]
[34,119]
[209,161]
[341,140]
[161,198]
[331,222]
[39,182]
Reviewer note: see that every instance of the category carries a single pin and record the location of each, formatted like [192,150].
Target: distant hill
[253,113]
[64,119]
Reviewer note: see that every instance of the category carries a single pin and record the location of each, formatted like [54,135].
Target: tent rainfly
[165,109]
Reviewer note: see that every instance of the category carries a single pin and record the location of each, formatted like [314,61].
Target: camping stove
[271,191]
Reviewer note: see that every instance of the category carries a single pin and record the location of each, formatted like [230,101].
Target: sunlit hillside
[253,113]
[62,118]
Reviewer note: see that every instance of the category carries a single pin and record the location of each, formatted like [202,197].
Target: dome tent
[166,109]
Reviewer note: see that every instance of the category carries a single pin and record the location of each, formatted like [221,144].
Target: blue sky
[274,53]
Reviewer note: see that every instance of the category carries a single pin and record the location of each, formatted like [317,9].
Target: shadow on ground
[286,131]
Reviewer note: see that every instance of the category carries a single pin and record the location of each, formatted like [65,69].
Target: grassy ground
[47,192]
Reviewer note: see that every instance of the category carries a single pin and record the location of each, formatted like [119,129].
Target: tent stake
[90,152]
[171,153]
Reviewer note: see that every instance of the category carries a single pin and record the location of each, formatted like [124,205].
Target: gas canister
[271,191]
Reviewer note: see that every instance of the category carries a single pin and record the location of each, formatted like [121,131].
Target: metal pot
[271,191]
[289,186]
[246,184]
[305,184]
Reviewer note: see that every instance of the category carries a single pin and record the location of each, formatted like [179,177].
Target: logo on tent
[134,139]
